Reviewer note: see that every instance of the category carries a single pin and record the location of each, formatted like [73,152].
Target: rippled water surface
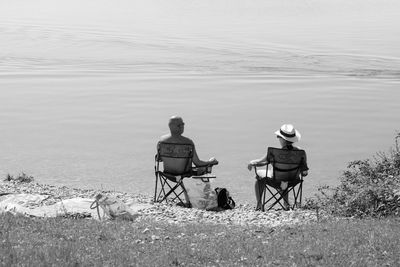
[87,87]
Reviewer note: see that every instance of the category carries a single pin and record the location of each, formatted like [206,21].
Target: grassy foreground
[82,242]
[368,189]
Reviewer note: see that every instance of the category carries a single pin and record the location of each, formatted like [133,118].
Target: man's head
[176,125]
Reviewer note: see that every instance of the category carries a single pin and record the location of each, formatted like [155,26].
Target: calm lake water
[87,87]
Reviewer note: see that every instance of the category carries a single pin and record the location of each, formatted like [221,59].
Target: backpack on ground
[225,201]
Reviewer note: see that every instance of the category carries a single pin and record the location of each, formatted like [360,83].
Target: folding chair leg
[161,194]
[301,193]
[298,195]
[172,190]
[273,196]
[155,191]
[295,196]
[168,191]
[279,198]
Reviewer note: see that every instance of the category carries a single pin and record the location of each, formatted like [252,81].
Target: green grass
[368,189]
[81,242]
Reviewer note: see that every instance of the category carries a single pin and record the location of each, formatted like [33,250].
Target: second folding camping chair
[283,177]
[177,165]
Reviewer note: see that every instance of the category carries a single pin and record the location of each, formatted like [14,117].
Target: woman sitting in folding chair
[287,135]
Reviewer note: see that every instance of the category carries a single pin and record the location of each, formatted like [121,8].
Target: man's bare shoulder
[177,140]
[165,138]
[186,140]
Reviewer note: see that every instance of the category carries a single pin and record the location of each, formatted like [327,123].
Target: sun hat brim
[293,139]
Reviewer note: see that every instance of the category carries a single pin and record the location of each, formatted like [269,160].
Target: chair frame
[277,194]
[170,186]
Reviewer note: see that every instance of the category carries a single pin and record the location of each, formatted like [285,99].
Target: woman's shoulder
[297,148]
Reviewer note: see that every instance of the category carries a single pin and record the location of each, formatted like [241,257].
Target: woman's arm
[258,162]
[304,167]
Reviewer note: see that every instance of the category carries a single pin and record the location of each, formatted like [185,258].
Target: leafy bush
[21,178]
[367,188]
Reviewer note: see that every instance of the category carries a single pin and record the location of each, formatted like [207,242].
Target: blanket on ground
[32,205]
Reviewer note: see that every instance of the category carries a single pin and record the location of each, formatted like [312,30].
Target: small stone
[154,237]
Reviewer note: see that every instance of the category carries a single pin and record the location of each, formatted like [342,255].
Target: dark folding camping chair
[283,176]
[177,165]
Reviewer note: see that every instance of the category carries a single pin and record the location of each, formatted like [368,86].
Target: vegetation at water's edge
[21,178]
[367,188]
[77,242]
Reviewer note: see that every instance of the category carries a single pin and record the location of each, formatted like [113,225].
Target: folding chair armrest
[207,166]
[259,165]
[157,158]
[204,178]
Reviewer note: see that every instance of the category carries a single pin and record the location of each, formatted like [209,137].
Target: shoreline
[243,214]
[174,236]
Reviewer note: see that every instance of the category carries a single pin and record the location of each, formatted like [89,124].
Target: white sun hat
[289,133]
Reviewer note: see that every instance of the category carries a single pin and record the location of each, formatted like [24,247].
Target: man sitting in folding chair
[178,155]
[285,168]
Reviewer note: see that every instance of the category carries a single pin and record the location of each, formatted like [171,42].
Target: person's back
[176,126]
[287,135]
[182,154]
[176,157]
[287,163]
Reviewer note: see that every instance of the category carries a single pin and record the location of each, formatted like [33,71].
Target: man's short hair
[174,119]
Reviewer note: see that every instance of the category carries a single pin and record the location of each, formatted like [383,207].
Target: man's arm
[200,163]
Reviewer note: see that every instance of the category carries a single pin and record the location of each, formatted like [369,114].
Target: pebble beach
[243,214]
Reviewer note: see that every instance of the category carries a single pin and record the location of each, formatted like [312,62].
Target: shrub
[368,187]
[21,178]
